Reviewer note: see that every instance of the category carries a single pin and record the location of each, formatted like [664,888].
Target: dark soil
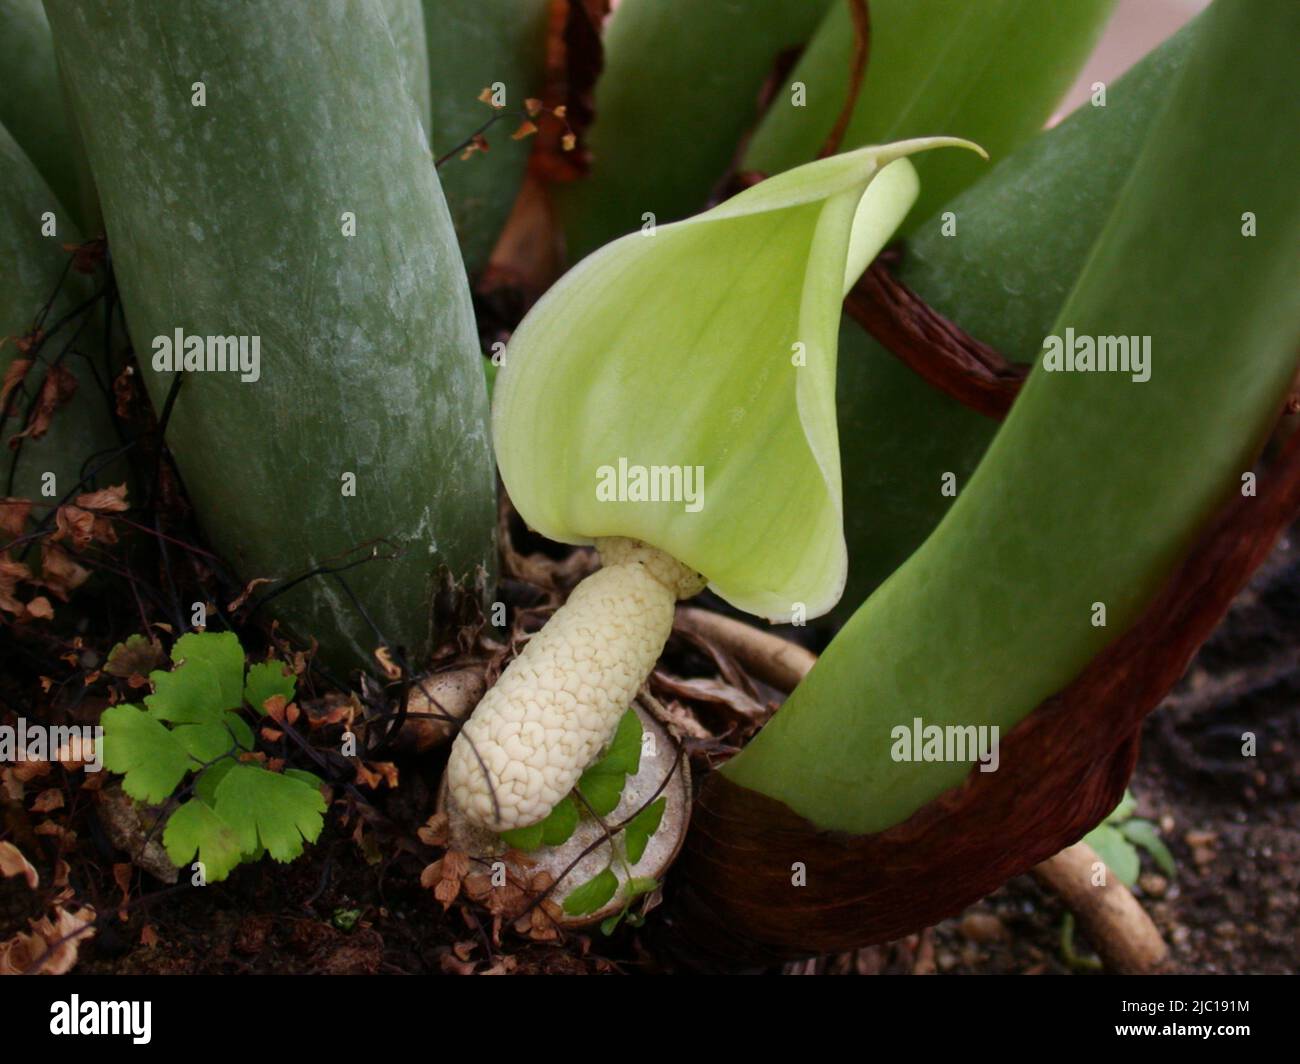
[1232,822]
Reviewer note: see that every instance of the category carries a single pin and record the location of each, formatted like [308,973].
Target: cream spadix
[672,399]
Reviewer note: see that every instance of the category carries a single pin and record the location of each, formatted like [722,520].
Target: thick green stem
[34,271]
[990,72]
[266,180]
[1001,267]
[672,109]
[476,45]
[32,106]
[1097,483]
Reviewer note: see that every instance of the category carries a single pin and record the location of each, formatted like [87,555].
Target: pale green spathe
[708,345]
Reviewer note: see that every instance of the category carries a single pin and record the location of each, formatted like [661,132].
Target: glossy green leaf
[601,788]
[265,680]
[207,781]
[270,810]
[238,226]
[196,827]
[223,654]
[990,72]
[632,889]
[707,345]
[1143,833]
[208,742]
[601,785]
[641,827]
[638,885]
[1023,234]
[1096,485]
[1126,808]
[189,694]
[1116,852]
[592,894]
[146,752]
[302,776]
[673,102]
[624,753]
[524,839]
[475,45]
[558,826]
[242,733]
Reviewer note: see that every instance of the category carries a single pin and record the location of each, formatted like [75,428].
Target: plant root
[1116,924]
[768,657]
[1113,919]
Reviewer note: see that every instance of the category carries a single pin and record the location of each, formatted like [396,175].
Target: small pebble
[982,927]
[1153,885]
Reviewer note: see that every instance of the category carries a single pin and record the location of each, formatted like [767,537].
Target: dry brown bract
[13,515]
[83,521]
[57,388]
[52,943]
[13,863]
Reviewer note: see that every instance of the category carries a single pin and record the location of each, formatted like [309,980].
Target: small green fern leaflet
[599,790]
[192,726]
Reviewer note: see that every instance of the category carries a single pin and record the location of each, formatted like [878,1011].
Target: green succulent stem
[268,179]
[1096,485]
